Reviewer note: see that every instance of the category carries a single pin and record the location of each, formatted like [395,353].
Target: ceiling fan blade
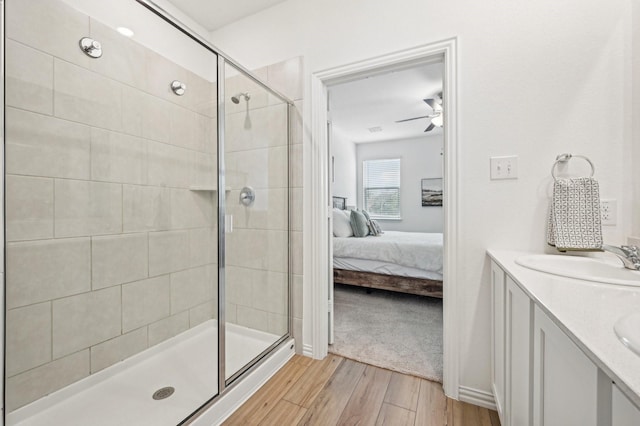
[414,118]
[430,128]
[431,103]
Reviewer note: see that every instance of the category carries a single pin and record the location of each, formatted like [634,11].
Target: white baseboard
[477,397]
[307,350]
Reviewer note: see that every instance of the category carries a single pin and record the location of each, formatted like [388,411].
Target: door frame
[316,321]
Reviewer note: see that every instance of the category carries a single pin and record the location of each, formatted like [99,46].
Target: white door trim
[319,195]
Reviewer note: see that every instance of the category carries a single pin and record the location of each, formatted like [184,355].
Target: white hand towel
[574,215]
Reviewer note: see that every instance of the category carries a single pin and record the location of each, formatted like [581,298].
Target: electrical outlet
[609,212]
[504,167]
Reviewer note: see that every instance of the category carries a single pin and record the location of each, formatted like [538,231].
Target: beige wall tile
[145,301]
[119,259]
[146,208]
[192,287]
[257,249]
[268,129]
[296,253]
[203,246]
[87,208]
[261,168]
[169,165]
[269,210]
[85,319]
[167,328]
[133,109]
[116,157]
[29,78]
[203,312]
[117,349]
[50,26]
[231,312]
[28,338]
[168,252]
[156,118]
[296,298]
[34,384]
[160,73]
[297,334]
[182,127]
[277,324]
[86,97]
[192,209]
[206,134]
[238,284]
[295,160]
[45,270]
[204,172]
[270,292]
[296,208]
[45,146]
[203,93]
[252,318]
[296,127]
[29,208]
[122,59]
[286,77]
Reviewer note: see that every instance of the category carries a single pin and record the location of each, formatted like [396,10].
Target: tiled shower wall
[256,257]
[108,250]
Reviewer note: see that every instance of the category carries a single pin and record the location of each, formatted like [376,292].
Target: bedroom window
[381,188]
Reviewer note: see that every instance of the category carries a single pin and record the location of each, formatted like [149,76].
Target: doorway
[317,299]
[386,137]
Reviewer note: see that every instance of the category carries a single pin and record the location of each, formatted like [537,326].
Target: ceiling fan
[436,118]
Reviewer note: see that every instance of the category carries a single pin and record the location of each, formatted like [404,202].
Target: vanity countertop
[586,312]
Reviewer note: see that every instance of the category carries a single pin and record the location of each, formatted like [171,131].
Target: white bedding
[411,249]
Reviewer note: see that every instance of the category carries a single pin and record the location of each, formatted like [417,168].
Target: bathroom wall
[109,252]
[343,152]
[419,158]
[535,79]
[635,116]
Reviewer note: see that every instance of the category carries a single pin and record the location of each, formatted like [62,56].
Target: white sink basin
[627,329]
[582,268]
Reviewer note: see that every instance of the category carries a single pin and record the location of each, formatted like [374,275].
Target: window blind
[381,188]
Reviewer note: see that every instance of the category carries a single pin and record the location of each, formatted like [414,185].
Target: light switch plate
[504,167]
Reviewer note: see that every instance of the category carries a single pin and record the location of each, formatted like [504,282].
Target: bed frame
[419,286]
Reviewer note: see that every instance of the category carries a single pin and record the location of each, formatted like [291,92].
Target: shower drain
[163,393]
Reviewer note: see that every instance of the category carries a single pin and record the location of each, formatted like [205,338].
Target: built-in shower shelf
[208,188]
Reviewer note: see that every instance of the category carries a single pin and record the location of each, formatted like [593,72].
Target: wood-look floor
[340,391]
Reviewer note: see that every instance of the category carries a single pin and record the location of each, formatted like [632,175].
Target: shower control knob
[91,47]
[247,196]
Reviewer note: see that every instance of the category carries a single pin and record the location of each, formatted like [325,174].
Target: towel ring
[563,158]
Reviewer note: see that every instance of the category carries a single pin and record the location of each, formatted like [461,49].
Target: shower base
[123,393]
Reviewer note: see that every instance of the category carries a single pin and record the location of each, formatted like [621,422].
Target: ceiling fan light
[437,120]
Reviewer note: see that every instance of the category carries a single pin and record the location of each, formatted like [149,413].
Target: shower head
[236,99]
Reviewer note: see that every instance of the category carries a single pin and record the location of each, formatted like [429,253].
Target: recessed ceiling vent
[375,129]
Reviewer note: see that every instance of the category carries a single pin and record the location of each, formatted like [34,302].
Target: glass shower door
[256,272]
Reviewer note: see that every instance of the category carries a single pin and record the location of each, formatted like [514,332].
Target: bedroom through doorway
[386,183]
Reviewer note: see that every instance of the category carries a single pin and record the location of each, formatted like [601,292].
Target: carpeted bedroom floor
[400,332]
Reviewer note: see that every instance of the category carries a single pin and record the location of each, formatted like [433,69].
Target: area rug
[400,332]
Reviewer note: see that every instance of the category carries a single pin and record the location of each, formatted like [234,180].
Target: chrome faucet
[630,255]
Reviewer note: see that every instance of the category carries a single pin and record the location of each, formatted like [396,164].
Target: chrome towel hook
[91,47]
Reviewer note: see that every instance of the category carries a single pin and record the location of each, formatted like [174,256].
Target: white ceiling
[380,100]
[213,14]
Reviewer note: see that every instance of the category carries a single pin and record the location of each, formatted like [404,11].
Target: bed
[407,262]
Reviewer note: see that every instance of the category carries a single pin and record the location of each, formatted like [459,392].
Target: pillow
[374,228]
[366,214]
[341,225]
[359,223]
